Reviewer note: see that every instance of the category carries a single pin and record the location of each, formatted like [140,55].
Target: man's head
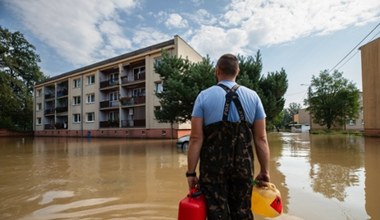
[228,65]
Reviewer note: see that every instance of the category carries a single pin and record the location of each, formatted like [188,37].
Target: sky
[304,37]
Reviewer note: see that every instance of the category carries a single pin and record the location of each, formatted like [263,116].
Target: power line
[353,48]
[376,35]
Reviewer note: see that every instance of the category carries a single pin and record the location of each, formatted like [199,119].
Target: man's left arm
[195,145]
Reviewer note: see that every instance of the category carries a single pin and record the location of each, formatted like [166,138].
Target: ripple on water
[98,208]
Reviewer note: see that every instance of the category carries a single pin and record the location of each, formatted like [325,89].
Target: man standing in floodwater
[226,118]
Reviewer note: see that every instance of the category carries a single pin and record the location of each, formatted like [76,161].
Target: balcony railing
[109,104]
[61,109]
[49,126]
[60,125]
[109,124]
[49,95]
[49,111]
[126,101]
[133,123]
[108,83]
[62,92]
[125,80]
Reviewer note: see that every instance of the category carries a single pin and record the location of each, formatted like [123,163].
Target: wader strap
[232,96]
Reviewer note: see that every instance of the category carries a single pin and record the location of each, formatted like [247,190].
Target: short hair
[228,64]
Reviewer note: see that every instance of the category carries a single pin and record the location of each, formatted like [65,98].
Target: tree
[182,82]
[288,114]
[332,99]
[19,71]
[272,90]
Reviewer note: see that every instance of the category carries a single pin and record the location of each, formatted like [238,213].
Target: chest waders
[226,164]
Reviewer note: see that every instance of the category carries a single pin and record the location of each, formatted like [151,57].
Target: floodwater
[319,177]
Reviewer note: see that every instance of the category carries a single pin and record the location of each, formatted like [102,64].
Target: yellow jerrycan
[266,201]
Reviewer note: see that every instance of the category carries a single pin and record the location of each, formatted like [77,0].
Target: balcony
[49,111]
[109,124]
[62,92]
[49,95]
[61,109]
[128,101]
[133,123]
[126,80]
[109,83]
[60,125]
[49,127]
[109,104]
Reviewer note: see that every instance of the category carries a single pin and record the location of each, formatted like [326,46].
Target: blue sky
[303,37]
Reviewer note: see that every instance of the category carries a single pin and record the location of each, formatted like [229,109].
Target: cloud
[247,25]
[202,17]
[175,20]
[276,22]
[76,30]
[147,36]
[215,41]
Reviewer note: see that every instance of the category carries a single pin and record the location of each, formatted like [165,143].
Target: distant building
[112,98]
[302,121]
[304,118]
[370,56]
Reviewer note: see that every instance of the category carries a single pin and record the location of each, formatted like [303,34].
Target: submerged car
[183,141]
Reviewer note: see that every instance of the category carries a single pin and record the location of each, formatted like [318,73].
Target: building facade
[304,120]
[370,58]
[112,98]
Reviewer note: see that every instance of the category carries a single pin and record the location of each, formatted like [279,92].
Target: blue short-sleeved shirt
[210,103]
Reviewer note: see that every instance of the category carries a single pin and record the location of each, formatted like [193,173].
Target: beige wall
[185,50]
[40,113]
[370,57]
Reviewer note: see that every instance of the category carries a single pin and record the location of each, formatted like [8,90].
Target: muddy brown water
[320,177]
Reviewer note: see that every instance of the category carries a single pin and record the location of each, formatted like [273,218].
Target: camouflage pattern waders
[226,165]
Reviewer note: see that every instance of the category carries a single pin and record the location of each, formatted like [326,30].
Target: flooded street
[319,177]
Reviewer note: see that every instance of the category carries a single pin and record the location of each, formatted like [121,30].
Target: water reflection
[336,163]
[320,177]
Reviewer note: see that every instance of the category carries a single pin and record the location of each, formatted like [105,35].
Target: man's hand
[192,181]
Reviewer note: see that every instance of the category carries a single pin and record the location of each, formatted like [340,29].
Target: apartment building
[370,59]
[112,98]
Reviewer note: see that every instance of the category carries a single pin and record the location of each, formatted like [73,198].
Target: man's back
[210,103]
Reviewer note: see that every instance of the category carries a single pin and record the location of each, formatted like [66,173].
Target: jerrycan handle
[269,185]
[194,192]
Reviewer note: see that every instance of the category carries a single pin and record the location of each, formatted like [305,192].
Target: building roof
[364,45]
[111,60]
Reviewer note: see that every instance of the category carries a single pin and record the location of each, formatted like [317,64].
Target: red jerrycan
[193,206]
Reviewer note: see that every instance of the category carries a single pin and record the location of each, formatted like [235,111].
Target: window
[76,118]
[139,73]
[138,92]
[157,60]
[159,87]
[38,92]
[114,96]
[76,100]
[352,122]
[113,116]
[91,98]
[114,78]
[39,121]
[90,116]
[77,83]
[90,79]
[38,106]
